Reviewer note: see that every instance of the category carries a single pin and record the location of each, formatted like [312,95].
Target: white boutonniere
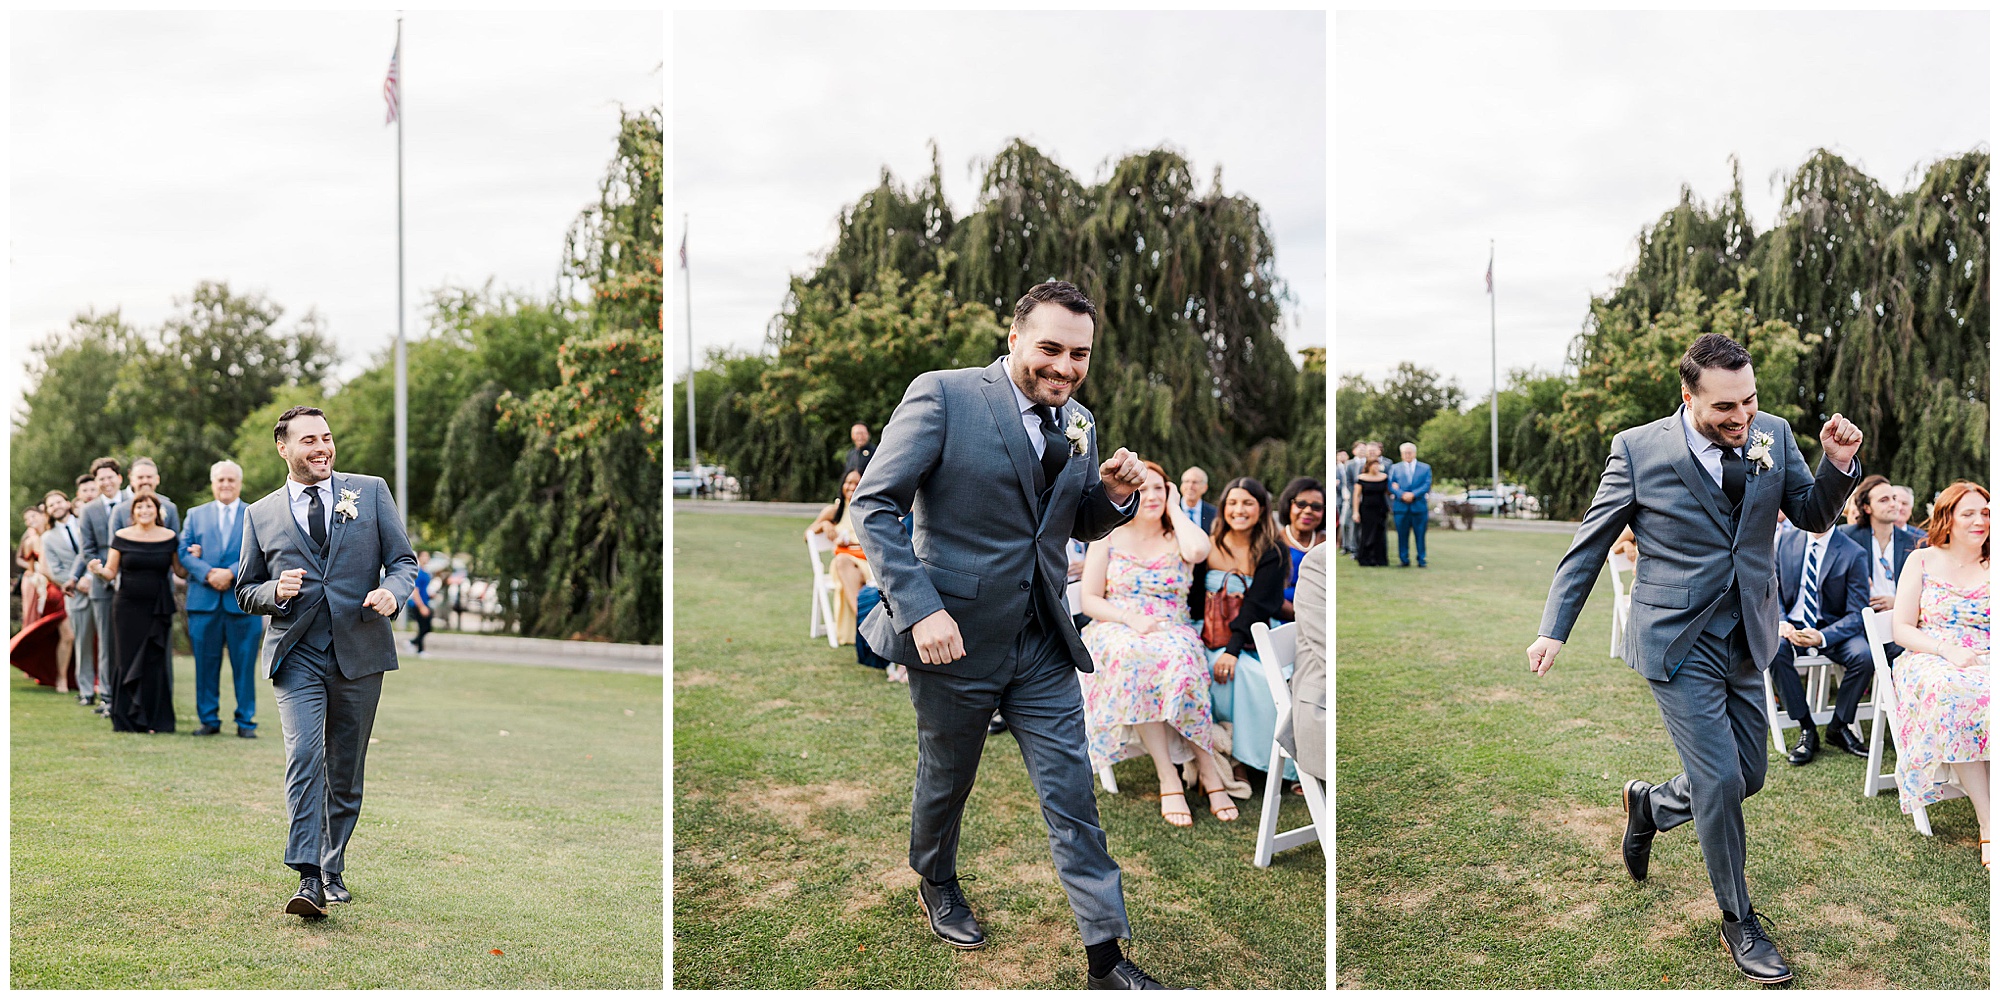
[1078,433]
[346,507]
[1759,452]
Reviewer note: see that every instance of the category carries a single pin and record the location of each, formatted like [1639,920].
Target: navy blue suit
[1415,515]
[216,621]
[1204,517]
[1843,593]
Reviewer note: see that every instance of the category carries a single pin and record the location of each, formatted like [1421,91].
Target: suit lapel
[336,530]
[1000,398]
[299,537]
[1691,474]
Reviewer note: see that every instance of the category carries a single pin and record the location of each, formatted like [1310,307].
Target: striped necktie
[1812,583]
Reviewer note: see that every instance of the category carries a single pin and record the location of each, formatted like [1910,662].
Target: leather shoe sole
[1731,952]
[926,908]
[304,907]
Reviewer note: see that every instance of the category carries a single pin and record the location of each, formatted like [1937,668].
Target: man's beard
[1023,372]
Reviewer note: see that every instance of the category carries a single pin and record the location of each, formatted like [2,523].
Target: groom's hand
[937,638]
[290,582]
[1841,440]
[1122,475]
[1542,655]
[380,601]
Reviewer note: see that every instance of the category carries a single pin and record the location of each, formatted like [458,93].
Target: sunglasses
[1307,505]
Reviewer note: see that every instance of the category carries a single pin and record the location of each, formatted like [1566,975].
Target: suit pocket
[952,583]
[1659,595]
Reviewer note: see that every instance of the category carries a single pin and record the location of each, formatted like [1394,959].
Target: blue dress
[1245,702]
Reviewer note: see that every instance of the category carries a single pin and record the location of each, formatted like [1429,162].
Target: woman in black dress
[1371,516]
[142,618]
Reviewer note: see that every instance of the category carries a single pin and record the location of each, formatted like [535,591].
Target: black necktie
[316,518]
[1055,449]
[1732,476]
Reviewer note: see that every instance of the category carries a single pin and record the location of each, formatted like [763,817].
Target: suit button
[1025,585]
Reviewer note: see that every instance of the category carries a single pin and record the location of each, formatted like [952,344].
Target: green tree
[67,417]
[1396,410]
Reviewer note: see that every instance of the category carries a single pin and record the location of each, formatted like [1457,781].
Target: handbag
[1218,613]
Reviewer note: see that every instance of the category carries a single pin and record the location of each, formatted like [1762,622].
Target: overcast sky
[153,151]
[781,120]
[1559,135]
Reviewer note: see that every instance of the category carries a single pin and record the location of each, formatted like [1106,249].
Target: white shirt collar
[297,490]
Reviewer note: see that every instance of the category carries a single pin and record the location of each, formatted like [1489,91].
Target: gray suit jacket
[1687,554]
[362,554]
[170,515]
[955,454]
[60,557]
[94,530]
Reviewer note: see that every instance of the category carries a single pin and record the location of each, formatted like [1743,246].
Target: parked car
[686,485]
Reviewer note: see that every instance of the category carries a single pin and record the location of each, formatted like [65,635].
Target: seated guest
[850,564]
[1822,588]
[1887,546]
[1301,515]
[1303,734]
[1943,622]
[1625,551]
[1245,570]
[1906,503]
[1149,694]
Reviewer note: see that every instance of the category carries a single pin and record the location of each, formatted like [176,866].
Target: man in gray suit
[59,547]
[325,557]
[94,530]
[1000,468]
[145,473]
[1701,491]
[1350,472]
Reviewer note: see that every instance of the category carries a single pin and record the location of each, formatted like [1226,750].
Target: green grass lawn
[1479,816]
[156,861]
[792,777]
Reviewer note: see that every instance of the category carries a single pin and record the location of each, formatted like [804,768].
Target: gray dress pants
[100,615]
[327,719]
[1037,691]
[1714,710]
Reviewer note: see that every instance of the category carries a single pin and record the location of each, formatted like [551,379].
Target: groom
[1701,490]
[326,558]
[1000,468]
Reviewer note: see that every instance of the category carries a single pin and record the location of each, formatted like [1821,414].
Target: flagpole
[687,302]
[402,361]
[1493,315]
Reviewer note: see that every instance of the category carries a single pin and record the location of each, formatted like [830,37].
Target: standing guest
[1822,587]
[59,546]
[28,558]
[142,680]
[850,562]
[1944,621]
[1350,476]
[1409,501]
[1887,546]
[211,546]
[858,456]
[95,530]
[1301,518]
[1371,514]
[1194,486]
[1245,568]
[1149,693]
[1341,486]
[146,476]
[420,594]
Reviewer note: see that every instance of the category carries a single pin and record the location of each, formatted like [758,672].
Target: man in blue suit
[1410,502]
[1885,545]
[211,546]
[1822,587]
[1194,484]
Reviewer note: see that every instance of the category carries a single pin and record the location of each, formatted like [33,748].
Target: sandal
[1181,817]
[1225,813]
[1983,852]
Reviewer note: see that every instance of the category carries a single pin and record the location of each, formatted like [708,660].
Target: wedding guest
[95,530]
[83,623]
[1301,518]
[858,456]
[1149,693]
[1194,486]
[850,563]
[1942,620]
[1887,546]
[1822,587]
[1906,504]
[211,546]
[142,682]
[1371,513]
[1303,733]
[1625,552]
[420,607]
[146,476]
[28,558]
[1341,488]
[1241,583]
[59,545]
[1410,502]
[1350,476]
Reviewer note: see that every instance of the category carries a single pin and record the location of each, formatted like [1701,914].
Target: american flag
[1489,275]
[684,249]
[392,91]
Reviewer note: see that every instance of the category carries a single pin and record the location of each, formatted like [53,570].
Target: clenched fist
[1841,440]
[380,601]
[937,638]
[289,584]
[1122,475]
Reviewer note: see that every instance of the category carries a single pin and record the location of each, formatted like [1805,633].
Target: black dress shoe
[950,915]
[1125,976]
[1756,957]
[310,901]
[208,730]
[1639,828]
[248,734]
[1843,737]
[997,726]
[86,699]
[1807,746]
[335,890]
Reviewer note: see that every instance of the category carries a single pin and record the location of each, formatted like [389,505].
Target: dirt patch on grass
[694,678]
[1496,695]
[1598,826]
[1409,900]
[773,704]
[1038,953]
[795,805]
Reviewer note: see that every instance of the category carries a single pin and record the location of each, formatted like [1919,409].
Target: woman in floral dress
[1942,623]
[1149,694]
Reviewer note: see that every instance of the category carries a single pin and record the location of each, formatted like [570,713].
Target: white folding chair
[1812,668]
[1621,606]
[1875,779]
[1277,648]
[824,585]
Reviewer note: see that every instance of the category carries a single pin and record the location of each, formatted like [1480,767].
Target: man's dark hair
[281,432]
[106,462]
[85,478]
[1711,350]
[1060,292]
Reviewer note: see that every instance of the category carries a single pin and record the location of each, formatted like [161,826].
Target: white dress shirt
[1816,546]
[302,505]
[1880,583]
[1032,423]
[1707,453]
